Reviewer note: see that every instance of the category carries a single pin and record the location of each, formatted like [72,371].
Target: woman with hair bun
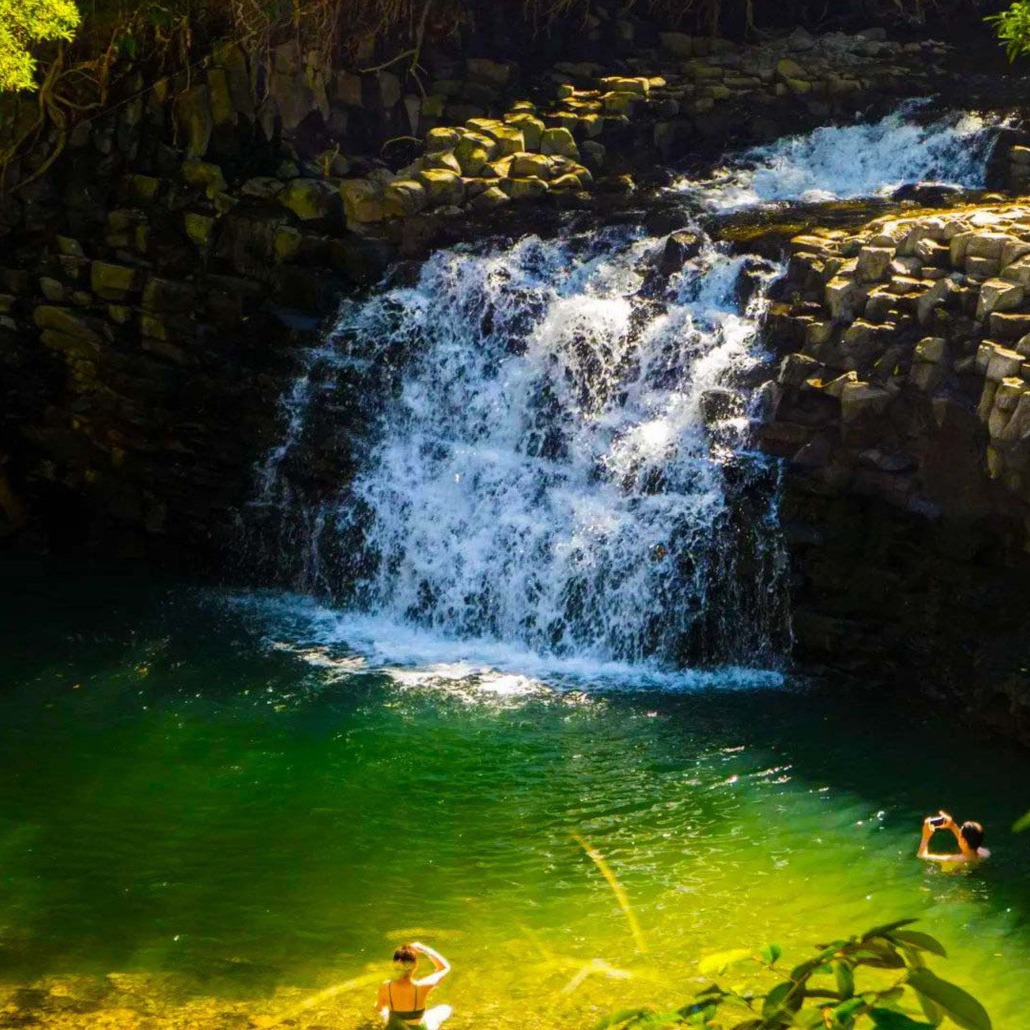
[402,998]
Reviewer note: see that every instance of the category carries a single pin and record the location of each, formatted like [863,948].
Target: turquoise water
[218,800]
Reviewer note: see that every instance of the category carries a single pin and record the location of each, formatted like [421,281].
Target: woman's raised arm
[443,967]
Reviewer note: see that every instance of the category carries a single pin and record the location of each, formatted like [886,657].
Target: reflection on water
[238,818]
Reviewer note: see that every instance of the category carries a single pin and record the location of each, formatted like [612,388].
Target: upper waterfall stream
[546,444]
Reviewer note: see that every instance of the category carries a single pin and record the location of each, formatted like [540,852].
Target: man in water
[969,836]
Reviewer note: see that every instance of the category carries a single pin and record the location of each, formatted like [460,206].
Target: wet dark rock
[928,194]
[680,247]
[720,404]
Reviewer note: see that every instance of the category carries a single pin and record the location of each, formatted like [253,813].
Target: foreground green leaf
[932,1011]
[888,1019]
[845,979]
[781,999]
[958,1005]
[887,928]
[921,940]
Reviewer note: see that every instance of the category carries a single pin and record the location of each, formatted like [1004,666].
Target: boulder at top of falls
[680,247]
[719,404]
[930,194]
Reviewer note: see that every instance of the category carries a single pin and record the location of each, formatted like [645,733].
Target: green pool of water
[231,814]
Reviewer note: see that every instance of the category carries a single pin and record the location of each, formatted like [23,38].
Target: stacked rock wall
[156,282]
[902,405]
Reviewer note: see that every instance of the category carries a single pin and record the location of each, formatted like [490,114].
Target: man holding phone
[969,836]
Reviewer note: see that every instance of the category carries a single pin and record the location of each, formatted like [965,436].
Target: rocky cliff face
[902,406]
[157,279]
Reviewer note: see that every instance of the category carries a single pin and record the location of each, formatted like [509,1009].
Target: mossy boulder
[786,69]
[142,189]
[198,227]
[525,189]
[262,187]
[205,175]
[473,151]
[471,157]
[594,154]
[526,165]
[405,197]
[113,282]
[618,84]
[286,244]
[566,183]
[482,125]
[510,140]
[169,296]
[441,139]
[559,142]
[223,113]
[362,201]
[443,188]
[678,43]
[499,169]
[309,199]
[620,103]
[529,125]
[860,400]
[495,73]
[193,121]
[444,159]
[68,323]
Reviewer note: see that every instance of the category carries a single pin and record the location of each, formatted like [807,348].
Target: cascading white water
[546,473]
[548,440]
[844,162]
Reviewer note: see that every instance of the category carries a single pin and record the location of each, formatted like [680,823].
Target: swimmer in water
[402,998]
[969,835]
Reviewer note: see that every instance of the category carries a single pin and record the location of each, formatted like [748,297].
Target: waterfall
[546,443]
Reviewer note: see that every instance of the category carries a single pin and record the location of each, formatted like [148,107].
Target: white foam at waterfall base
[342,644]
[849,161]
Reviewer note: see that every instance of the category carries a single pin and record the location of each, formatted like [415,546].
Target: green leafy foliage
[23,25]
[1022,824]
[1013,28]
[837,989]
[958,1005]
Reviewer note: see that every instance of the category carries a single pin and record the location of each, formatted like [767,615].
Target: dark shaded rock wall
[899,408]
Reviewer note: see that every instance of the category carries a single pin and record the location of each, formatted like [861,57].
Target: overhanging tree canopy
[25,23]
